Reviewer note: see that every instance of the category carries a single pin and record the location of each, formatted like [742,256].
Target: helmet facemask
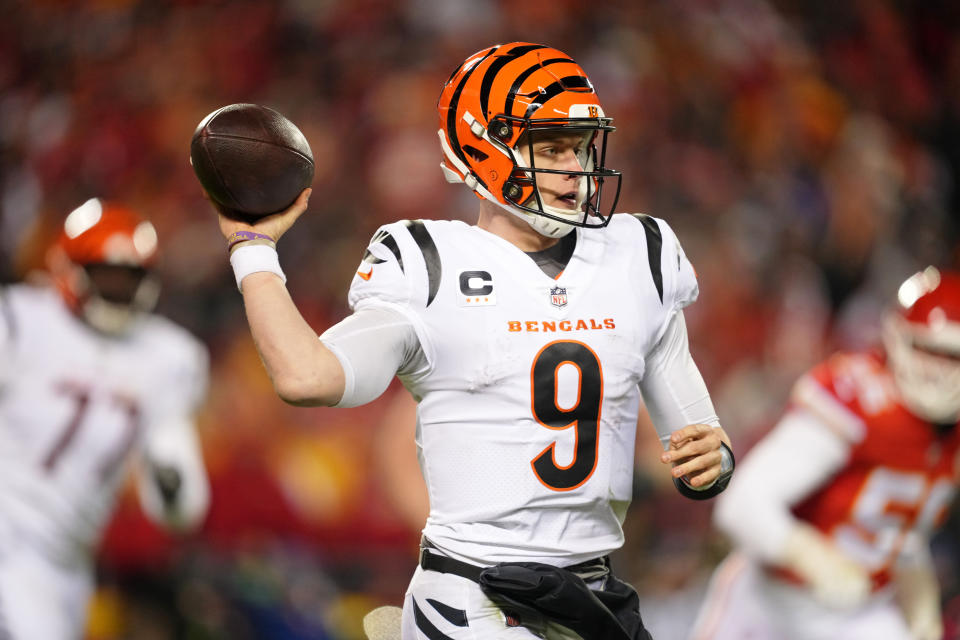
[926,369]
[116,295]
[524,191]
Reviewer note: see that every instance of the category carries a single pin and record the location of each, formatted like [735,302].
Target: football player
[832,511]
[527,340]
[88,377]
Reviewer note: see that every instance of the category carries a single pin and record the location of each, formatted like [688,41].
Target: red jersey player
[832,511]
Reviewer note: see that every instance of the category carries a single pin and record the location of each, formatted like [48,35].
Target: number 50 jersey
[528,385]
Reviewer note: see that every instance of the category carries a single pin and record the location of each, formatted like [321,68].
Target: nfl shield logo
[558,297]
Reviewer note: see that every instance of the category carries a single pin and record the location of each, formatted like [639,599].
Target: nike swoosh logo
[365,276]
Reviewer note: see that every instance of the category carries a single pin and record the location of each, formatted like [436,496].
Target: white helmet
[922,338]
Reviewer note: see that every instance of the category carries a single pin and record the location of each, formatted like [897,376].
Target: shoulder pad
[825,392]
[390,267]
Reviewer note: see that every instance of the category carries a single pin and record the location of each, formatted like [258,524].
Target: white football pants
[458,609]
[745,601]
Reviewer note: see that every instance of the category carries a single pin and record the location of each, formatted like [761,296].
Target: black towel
[561,596]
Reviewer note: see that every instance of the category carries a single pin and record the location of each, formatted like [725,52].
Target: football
[251,160]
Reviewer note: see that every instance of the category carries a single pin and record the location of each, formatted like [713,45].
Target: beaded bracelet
[251,243]
[246,236]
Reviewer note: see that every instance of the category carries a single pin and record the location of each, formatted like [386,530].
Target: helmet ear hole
[500,130]
[475,153]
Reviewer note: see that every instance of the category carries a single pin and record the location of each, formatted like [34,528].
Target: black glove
[168,482]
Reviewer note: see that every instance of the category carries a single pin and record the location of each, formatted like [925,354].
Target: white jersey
[527,385]
[74,404]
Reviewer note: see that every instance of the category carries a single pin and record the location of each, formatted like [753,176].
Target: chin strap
[116,318]
[107,317]
[546,226]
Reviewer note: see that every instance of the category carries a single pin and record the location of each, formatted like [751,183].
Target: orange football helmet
[101,264]
[501,93]
[922,338]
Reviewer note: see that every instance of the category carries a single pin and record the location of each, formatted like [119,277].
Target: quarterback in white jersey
[86,379]
[529,341]
[528,391]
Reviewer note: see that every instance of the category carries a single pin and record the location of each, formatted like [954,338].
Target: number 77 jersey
[76,406]
[527,385]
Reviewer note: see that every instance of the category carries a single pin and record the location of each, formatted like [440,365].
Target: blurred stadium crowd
[807,154]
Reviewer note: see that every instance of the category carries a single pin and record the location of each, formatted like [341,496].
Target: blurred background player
[88,377]
[527,340]
[832,512]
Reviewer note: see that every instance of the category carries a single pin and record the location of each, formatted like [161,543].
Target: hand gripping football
[251,160]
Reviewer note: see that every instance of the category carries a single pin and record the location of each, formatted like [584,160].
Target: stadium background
[807,153]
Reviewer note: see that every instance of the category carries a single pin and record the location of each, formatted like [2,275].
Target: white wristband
[253,259]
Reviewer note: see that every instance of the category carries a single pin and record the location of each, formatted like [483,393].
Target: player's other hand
[695,454]
[273,225]
[836,580]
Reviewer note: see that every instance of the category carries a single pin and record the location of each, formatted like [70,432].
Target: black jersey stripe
[555,89]
[452,111]
[654,249]
[431,257]
[495,67]
[515,87]
[391,243]
[425,626]
[387,240]
[451,614]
